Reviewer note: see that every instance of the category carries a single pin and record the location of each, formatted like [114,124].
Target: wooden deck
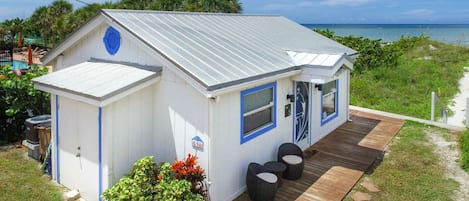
[340,159]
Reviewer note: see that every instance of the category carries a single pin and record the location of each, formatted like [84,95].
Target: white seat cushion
[268,177]
[292,159]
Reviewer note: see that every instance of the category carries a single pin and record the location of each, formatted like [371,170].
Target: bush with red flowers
[188,169]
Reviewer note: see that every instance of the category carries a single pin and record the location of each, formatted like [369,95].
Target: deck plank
[340,160]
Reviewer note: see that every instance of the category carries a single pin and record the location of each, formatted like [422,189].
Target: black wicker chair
[292,156]
[260,189]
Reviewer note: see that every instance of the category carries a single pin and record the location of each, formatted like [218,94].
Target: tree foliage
[19,101]
[56,21]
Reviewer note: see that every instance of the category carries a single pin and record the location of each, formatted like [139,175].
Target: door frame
[306,141]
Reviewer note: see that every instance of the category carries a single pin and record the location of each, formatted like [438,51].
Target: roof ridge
[186,13]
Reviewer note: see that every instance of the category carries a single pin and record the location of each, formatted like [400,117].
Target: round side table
[277,168]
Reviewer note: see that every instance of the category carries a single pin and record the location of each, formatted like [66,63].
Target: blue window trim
[57,150]
[336,114]
[263,129]
[100,153]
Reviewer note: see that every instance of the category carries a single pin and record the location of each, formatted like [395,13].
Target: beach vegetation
[399,77]
[464,145]
[411,170]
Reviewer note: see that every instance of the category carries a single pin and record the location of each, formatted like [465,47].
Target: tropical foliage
[149,181]
[55,21]
[374,53]
[19,101]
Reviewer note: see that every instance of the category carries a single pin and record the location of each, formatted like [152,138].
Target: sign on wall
[198,143]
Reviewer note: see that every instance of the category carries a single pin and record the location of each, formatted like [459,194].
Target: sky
[314,11]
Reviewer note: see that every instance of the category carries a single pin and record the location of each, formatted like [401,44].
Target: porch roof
[319,67]
[97,82]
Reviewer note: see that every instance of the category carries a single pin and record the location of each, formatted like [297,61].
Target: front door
[78,141]
[301,110]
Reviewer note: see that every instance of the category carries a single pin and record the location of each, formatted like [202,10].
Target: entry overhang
[319,67]
[97,83]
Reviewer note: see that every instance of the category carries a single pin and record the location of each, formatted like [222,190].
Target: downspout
[210,102]
[57,150]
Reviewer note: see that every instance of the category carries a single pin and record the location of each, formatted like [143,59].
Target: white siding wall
[230,158]
[127,133]
[181,113]
[319,131]
[92,46]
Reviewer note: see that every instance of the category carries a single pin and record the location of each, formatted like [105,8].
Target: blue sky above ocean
[315,11]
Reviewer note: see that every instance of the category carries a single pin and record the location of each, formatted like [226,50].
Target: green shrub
[171,189]
[140,184]
[19,101]
[374,53]
[147,182]
[464,143]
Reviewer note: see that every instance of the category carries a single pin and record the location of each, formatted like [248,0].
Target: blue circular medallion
[112,40]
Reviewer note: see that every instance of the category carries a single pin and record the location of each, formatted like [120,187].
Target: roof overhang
[319,67]
[98,83]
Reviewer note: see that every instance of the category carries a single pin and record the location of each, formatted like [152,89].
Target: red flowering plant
[189,170]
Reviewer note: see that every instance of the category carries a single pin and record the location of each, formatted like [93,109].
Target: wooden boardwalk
[340,159]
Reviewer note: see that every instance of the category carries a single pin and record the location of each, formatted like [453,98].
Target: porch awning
[98,83]
[319,67]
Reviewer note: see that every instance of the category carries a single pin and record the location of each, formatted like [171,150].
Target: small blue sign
[112,40]
[197,143]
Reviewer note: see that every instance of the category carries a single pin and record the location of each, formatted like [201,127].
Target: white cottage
[229,88]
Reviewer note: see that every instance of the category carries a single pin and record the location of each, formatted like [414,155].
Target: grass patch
[21,179]
[464,144]
[406,88]
[411,170]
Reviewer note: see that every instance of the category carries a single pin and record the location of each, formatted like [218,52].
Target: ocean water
[448,33]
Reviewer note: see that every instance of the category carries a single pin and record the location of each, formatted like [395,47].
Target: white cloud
[344,2]
[291,6]
[419,12]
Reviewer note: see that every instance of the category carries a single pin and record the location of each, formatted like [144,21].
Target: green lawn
[21,179]
[411,170]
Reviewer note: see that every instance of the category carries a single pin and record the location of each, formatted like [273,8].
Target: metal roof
[95,80]
[220,50]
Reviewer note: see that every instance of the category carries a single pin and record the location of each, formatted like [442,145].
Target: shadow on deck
[335,163]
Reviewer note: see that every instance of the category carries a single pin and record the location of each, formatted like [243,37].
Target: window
[258,113]
[329,101]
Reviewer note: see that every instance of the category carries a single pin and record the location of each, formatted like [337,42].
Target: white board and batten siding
[232,158]
[128,133]
[180,114]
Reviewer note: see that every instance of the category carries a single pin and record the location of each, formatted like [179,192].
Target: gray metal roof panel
[96,80]
[216,49]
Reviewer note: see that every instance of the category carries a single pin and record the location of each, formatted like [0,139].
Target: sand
[459,107]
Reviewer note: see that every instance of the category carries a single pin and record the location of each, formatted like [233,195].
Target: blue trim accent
[336,114]
[112,40]
[100,153]
[57,150]
[264,129]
